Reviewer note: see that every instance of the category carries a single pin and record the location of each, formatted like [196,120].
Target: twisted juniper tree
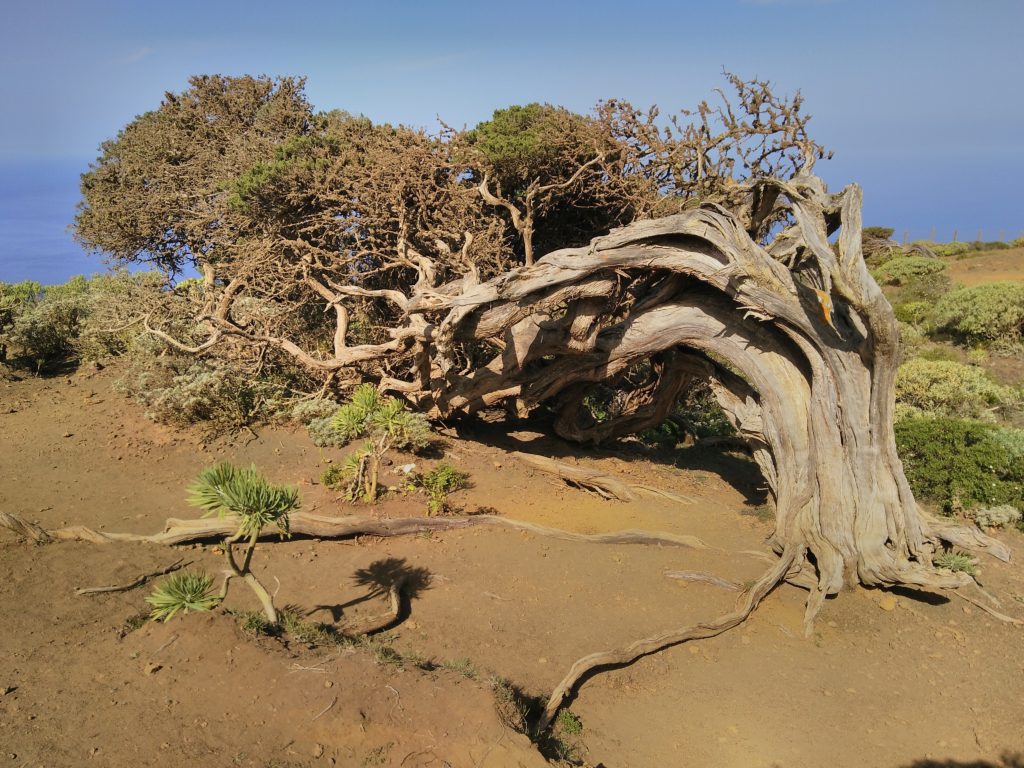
[728,261]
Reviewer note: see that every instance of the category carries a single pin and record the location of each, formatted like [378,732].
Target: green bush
[995,517]
[983,314]
[317,417]
[949,250]
[877,233]
[961,464]
[438,483]
[904,269]
[386,423]
[191,591]
[947,388]
[181,390]
[44,325]
[914,313]
[85,319]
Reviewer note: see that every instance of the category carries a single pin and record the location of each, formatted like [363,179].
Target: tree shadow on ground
[1005,761]
[533,436]
[379,576]
[921,596]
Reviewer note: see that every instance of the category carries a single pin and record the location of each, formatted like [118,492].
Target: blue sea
[38,199]
[37,208]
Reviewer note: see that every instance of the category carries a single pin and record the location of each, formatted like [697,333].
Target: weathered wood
[324,527]
[584,477]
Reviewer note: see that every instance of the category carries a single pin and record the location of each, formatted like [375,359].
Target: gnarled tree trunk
[799,343]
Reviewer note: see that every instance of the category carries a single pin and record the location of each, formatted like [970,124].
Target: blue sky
[921,101]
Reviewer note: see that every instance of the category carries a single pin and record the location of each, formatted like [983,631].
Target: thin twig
[137,583]
[990,611]
[326,709]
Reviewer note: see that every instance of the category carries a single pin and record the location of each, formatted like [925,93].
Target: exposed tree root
[323,527]
[990,611]
[649,645]
[24,528]
[969,537]
[137,583]
[600,483]
[705,578]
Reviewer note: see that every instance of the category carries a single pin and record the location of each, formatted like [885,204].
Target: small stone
[8,690]
[328,683]
[318,751]
[67,434]
[152,668]
[887,603]
[542,660]
[967,611]
[497,465]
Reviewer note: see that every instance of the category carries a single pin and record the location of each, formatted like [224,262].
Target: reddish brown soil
[915,682]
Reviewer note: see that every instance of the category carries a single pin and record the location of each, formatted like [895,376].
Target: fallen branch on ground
[600,483]
[705,578]
[137,583]
[320,526]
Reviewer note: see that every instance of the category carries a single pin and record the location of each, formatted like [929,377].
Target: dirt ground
[988,267]
[888,679]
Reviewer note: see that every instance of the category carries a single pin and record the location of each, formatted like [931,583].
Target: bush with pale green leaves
[386,423]
[903,269]
[947,388]
[992,313]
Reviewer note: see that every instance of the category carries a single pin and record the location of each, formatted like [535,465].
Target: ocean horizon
[38,198]
[37,208]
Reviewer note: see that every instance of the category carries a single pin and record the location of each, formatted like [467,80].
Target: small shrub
[245,496]
[903,269]
[948,250]
[256,624]
[438,483]
[913,313]
[46,328]
[943,387]
[181,391]
[387,424]
[317,417]
[569,723]
[186,592]
[958,562]
[983,314]
[961,464]
[308,632]
[995,517]
[464,667]
[511,705]
[333,476]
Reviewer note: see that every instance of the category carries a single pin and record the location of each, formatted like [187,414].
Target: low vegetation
[246,496]
[386,423]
